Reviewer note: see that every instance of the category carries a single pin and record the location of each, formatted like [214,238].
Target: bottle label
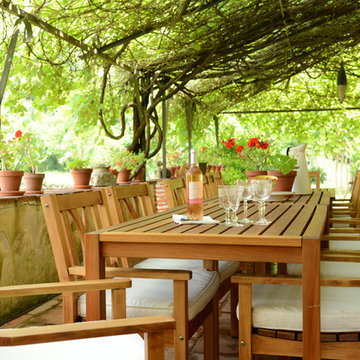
[195,192]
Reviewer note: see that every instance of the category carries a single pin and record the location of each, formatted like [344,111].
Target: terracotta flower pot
[252,173]
[81,178]
[173,171]
[285,182]
[139,176]
[33,183]
[10,181]
[123,176]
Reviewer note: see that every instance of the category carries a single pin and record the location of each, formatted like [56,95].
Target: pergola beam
[287,110]
[150,28]
[15,10]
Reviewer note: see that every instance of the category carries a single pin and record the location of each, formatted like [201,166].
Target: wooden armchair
[270,311]
[189,297]
[103,337]
[341,207]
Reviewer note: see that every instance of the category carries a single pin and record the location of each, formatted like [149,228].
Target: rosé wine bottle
[194,189]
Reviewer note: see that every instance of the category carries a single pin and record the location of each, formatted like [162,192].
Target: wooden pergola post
[189,120]
[165,116]
[216,119]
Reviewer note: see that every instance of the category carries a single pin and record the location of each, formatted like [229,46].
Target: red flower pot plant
[253,155]
[129,165]
[12,155]
[262,160]
[175,160]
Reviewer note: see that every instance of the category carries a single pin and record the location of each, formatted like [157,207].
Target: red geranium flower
[239,148]
[203,149]
[253,142]
[18,134]
[223,142]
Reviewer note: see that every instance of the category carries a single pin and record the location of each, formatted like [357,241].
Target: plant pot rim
[38,175]
[260,172]
[279,173]
[81,170]
[11,172]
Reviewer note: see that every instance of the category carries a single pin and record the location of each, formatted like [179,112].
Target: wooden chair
[103,337]
[267,313]
[175,191]
[68,215]
[210,186]
[341,206]
[218,178]
[316,175]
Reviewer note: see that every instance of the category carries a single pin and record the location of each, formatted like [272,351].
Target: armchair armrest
[138,273]
[340,255]
[343,281]
[153,327]
[348,230]
[344,221]
[74,331]
[61,287]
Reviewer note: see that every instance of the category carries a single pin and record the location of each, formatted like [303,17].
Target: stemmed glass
[235,192]
[224,202]
[262,191]
[247,194]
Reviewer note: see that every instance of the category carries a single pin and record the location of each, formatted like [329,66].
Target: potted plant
[254,155]
[175,160]
[128,163]
[33,180]
[80,172]
[11,155]
[283,168]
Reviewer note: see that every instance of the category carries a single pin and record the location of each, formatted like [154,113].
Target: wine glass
[247,194]
[224,202]
[234,192]
[262,191]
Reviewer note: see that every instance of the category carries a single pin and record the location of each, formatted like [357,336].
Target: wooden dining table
[293,236]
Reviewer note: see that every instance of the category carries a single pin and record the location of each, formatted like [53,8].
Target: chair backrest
[175,191]
[316,175]
[218,178]
[68,217]
[126,203]
[210,186]
[355,195]
[129,202]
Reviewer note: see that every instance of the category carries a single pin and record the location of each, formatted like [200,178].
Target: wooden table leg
[311,299]
[94,270]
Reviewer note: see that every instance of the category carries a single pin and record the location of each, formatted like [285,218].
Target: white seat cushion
[280,307]
[130,347]
[226,268]
[155,296]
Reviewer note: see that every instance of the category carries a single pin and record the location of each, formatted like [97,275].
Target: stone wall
[25,251]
